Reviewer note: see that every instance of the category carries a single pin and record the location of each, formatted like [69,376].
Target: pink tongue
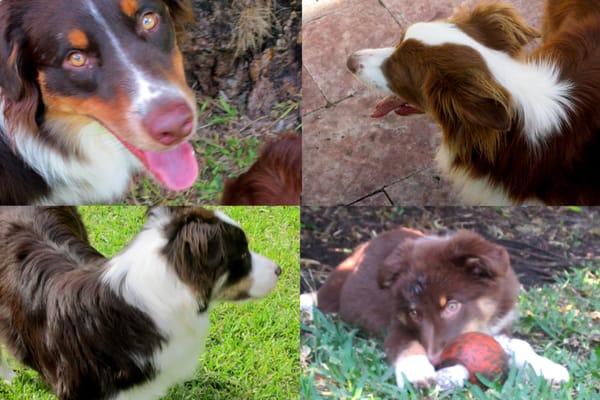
[396,104]
[175,169]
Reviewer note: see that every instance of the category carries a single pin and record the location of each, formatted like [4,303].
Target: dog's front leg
[409,359]
[521,353]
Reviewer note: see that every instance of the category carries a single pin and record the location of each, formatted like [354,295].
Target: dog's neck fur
[94,167]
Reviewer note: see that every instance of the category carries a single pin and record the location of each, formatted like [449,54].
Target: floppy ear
[195,250]
[394,264]
[496,25]
[467,98]
[17,74]
[479,257]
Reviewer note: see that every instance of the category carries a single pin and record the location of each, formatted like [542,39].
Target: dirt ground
[541,241]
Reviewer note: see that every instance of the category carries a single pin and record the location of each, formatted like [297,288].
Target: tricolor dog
[126,327]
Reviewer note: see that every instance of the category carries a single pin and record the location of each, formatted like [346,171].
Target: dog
[420,292]
[91,92]
[516,128]
[126,327]
[275,179]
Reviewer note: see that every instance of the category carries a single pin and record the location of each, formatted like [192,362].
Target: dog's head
[440,67]
[445,286]
[68,64]
[210,254]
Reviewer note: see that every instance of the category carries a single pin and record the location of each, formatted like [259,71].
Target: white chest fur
[100,174]
[175,362]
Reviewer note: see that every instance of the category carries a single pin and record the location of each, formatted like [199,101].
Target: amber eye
[77,59]
[149,21]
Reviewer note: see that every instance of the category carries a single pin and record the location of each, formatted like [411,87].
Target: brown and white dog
[91,92]
[420,292]
[128,327]
[517,127]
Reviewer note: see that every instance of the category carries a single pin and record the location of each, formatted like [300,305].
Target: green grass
[252,348]
[561,321]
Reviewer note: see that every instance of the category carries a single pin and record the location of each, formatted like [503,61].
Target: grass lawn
[252,348]
[561,321]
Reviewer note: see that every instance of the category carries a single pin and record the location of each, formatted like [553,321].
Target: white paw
[550,370]
[415,369]
[307,302]
[451,378]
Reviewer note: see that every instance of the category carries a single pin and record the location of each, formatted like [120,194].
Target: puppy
[420,292]
[126,327]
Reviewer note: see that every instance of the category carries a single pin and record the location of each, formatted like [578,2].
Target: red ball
[478,353]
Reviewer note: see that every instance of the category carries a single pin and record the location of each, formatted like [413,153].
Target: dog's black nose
[278,271]
[353,63]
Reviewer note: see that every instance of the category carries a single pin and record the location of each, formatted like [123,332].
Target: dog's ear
[394,264]
[17,73]
[479,257]
[465,98]
[195,250]
[496,25]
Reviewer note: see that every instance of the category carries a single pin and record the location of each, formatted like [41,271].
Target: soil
[542,241]
[253,81]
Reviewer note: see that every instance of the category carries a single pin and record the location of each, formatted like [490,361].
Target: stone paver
[312,98]
[347,154]
[378,199]
[423,188]
[328,41]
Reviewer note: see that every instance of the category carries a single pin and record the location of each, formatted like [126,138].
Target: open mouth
[395,104]
[175,169]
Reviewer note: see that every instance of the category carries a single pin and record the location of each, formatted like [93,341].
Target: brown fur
[400,270]
[275,179]
[496,25]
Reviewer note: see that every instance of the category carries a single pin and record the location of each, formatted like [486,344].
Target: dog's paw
[307,302]
[451,378]
[415,369]
[550,370]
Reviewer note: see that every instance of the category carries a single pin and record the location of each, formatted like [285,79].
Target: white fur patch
[225,218]
[416,369]
[474,191]
[541,100]
[142,277]
[451,378]
[521,353]
[263,276]
[101,173]
[308,301]
[370,72]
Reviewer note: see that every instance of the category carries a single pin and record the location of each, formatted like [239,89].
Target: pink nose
[169,122]
[353,63]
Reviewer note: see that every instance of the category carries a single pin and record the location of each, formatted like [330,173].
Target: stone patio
[350,158]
